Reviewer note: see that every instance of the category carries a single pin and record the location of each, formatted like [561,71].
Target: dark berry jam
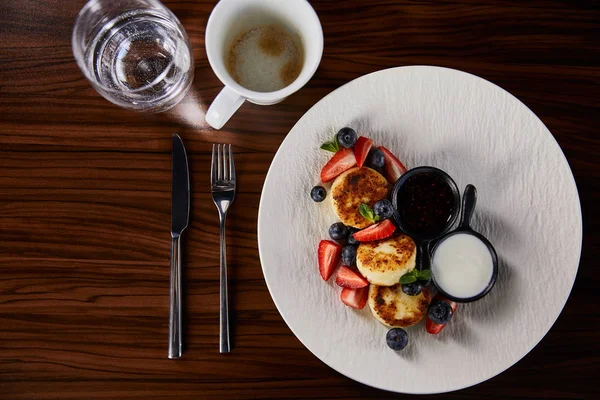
[425,204]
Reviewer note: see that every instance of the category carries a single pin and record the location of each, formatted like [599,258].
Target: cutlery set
[223,184]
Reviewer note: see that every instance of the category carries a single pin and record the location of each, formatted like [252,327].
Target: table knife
[180,212]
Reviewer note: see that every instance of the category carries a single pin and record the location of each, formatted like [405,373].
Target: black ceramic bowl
[397,192]
[468,206]
[423,239]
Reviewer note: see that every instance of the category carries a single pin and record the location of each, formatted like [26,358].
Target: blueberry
[318,193]
[440,312]
[349,255]
[412,289]
[338,231]
[351,239]
[396,338]
[347,137]
[375,158]
[384,209]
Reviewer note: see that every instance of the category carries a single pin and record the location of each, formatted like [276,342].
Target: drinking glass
[135,53]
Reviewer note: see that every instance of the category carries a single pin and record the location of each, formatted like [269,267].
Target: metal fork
[222,179]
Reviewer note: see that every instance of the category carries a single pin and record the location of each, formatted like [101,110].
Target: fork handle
[223,300]
[175,339]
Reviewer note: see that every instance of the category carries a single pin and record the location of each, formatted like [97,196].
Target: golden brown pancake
[383,262]
[394,308]
[356,186]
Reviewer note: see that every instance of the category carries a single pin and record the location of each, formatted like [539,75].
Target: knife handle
[175,340]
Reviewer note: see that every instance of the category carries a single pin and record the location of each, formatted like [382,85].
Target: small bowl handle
[468,206]
[424,258]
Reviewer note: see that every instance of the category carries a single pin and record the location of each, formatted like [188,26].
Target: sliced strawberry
[355,298]
[393,167]
[350,279]
[329,256]
[433,327]
[429,292]
[378,231]
[361,150]
[340,162]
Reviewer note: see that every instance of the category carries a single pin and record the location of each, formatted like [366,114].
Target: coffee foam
[265,58]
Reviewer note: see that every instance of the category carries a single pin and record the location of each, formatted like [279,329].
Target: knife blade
[180,191]
[180,212]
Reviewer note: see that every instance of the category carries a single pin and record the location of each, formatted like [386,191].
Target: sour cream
[462,265]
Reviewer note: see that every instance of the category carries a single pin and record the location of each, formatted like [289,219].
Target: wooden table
[85,203]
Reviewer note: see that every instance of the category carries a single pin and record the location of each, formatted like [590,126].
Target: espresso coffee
[265,58]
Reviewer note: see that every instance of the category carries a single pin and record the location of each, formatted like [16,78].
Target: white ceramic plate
[528,207]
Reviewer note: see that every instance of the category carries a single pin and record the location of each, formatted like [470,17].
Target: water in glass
[139,59]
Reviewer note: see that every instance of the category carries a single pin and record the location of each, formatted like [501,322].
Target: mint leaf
[367,212]
[329,147]
[424,275]
[332,146]
[408,277]
[335,142]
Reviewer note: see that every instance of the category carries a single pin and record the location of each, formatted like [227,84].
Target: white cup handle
[223,107]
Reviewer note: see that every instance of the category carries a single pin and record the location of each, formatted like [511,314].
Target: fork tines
[222,170]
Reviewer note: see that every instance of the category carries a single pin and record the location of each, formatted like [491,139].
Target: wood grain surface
[85,203]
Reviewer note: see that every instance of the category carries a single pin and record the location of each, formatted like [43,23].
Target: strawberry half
[378,231]
[361,150]
[329,256]
[340,162]
[355,298]
[433,327]
[393,167]
[349,279]
[429,292]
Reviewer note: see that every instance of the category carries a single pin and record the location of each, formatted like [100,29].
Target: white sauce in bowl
[462,265]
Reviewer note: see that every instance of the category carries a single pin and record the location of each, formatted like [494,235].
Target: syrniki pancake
[356,186]
[383,262]
[392,307]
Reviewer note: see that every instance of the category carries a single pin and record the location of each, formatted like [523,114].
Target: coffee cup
[262,51]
